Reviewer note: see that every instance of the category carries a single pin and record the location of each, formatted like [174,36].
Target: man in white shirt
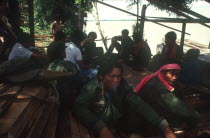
[74,55]
[73,52]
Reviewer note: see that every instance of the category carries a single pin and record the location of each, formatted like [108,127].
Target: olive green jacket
[165,103]
[96,110]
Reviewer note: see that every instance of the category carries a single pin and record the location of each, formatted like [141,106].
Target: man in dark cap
[89,50]
[127,45]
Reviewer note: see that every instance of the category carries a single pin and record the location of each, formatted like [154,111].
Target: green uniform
[167,104]
[68,86]
[127,46]
[63,66]
[97,110]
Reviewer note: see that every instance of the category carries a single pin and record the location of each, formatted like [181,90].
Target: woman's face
[112,79]
[171,76]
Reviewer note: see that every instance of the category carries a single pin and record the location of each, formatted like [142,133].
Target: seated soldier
[191,69]
[126,47]
[109,55]
[105,103]
[68,87]
[142,53]
[89,51]
[158,91]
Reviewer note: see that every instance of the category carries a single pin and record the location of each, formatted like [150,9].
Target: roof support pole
[137,4]
[144,7]
[183,35]
[31,19]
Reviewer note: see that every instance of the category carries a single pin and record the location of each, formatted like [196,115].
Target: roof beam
[179,20]
[207,1]
[138,16]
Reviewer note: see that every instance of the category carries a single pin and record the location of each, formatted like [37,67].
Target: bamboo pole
[99,26]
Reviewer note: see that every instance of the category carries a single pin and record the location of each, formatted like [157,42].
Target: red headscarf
[147,78]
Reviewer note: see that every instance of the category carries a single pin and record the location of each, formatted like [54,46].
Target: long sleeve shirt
[167,104]
[96,110]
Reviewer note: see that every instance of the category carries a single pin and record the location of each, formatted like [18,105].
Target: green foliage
[133,3]
[173,3]
[177,3]
[25,29]
[85,5]
[45,11]
[68,29]
[136,28]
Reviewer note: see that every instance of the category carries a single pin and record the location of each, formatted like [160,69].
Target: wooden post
[15,17]
[183,34]
[137,3]
[142,19]
[31,20]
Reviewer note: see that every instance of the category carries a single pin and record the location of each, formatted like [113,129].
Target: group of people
[91,85]
[135,52]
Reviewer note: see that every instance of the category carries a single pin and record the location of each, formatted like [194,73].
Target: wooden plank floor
[133,77]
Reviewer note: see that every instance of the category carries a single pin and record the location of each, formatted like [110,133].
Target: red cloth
[173,53]
[158,73]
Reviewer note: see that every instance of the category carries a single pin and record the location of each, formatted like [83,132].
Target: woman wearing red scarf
[157,90]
